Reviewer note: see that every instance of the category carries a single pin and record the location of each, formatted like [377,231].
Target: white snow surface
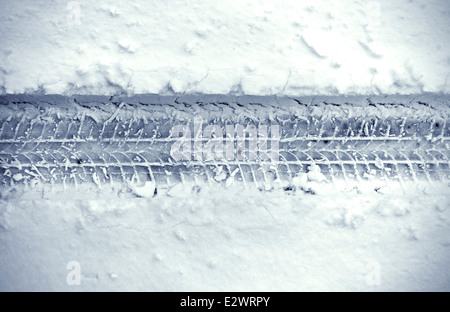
[347,238]
[377,236]
[260,47]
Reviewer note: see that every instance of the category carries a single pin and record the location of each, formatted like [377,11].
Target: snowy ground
[216,240]
[252,47]
[372,233]
[377,236]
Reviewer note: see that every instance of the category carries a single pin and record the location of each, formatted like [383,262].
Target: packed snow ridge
[291,48]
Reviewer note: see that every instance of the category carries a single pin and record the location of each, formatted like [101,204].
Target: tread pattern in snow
[62,140]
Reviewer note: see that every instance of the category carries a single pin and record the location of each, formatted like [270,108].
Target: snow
[313,235]
[351,238]
[257,47]
[314,174]
[146,190]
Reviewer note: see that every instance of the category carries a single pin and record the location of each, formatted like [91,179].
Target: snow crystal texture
[254,47]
